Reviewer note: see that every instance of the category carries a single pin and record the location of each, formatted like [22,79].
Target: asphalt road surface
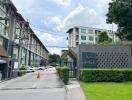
[28,87]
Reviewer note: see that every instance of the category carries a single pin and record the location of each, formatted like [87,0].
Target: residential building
[85,52]
[19,45]
[87,35]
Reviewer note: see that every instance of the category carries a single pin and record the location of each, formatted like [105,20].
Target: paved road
[48,87]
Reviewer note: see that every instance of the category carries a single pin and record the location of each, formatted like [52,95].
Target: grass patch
[107,91]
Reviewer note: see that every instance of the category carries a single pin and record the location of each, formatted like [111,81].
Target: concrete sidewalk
[74,91]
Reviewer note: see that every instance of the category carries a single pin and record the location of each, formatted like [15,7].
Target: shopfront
[3,63]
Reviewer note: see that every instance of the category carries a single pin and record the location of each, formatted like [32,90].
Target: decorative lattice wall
[107,56]
[112,59]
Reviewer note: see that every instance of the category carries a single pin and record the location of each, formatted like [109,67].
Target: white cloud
[82,16]
[55,50]
[56,21]
[63,2]
[51,40]
[24,5]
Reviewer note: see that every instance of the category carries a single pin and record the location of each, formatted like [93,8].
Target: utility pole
[113,41]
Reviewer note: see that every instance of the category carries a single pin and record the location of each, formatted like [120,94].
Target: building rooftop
[71,29]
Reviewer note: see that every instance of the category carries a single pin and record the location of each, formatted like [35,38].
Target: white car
[30,69]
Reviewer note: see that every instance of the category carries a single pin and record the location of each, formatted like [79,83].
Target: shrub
[21,73]
[22,68]
[63,73]
[105,75]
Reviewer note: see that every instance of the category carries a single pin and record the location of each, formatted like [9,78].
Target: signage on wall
[16,65]
[89,60]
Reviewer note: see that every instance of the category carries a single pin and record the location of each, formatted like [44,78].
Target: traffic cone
[38,75]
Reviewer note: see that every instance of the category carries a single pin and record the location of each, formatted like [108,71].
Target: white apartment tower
[87,35]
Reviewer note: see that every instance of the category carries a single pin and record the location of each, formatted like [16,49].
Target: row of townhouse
[19,46]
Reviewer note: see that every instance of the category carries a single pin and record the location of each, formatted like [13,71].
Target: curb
[66,91]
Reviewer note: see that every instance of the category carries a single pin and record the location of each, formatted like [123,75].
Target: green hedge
[63,74]
[21,73]
[22,68]
[105,75]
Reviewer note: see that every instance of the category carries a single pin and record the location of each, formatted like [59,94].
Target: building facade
[86,35]
[104,56]
[18,41]
[85,52]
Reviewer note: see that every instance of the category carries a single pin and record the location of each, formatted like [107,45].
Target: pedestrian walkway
[74,91]
[28,87]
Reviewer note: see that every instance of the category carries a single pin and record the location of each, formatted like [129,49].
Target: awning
[3,52]
[72,54]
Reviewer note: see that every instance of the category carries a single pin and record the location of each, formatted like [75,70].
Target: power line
[34,28]
[52,33]
[56,47]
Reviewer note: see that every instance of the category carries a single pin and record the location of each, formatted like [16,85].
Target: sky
[50,19]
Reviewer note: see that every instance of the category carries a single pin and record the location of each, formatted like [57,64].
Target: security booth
[3,63]
[72,61]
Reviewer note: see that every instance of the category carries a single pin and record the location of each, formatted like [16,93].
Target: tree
[104,38]
[54,59]
[120,13]
[64,58]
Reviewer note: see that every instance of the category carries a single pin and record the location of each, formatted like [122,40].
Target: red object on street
[38,75]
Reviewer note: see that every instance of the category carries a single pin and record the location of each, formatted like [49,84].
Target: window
[77,37]
[5,43]
[91,38]
[83,37]
[90,31]
[1,41]
[1,31]
[77,43]
[83,30]
[83,43]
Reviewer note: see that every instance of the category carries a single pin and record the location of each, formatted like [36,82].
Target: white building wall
[89,33]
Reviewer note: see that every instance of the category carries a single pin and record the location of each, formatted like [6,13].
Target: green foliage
[21,72]
[54,59]
[120,13]
[63,73]
[64,56]
[103,38]
[22,68]
[105,75]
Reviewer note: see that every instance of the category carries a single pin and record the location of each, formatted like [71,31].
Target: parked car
[30,69]
[41,68]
